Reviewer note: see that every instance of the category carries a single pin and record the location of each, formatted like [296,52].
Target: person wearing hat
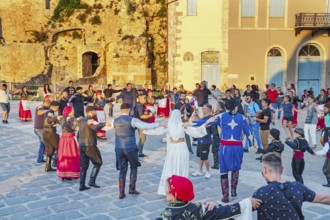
[77,101]
[68,158]
[232,125]
[126,149]
[180,192]
[89,151]
[299,146]
[275,145]
[50,136]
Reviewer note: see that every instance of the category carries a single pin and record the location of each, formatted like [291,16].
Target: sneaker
[197,173]
[207,175]
[259,158]
[246,150]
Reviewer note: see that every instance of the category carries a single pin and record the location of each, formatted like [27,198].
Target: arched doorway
[309,69]
[275,67]
[211,68]
[90,62]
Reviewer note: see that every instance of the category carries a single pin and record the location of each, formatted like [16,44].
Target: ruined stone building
[88,41]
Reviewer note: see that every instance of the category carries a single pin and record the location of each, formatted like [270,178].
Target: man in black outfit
[88,148]
[108,93]
[202,96]
[50,137]
[70,89]
[78,102]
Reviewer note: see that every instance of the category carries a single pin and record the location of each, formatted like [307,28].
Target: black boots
[132,185]
[121,188]
[82,181]
[216,161]
[55,159]
[224,188]
[234,182]
[94,173]
[48,167]
[328,184]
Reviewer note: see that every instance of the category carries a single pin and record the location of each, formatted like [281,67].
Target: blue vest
[124,132]
[207,139]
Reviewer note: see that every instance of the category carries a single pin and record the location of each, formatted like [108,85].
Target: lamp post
[167,63]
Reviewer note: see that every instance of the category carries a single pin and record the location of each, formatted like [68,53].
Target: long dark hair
[49,90]
[328,107]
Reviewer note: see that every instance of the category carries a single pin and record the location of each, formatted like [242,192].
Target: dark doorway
[90,62]
[47,4]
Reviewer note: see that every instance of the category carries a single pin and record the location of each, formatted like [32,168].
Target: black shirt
[70,90]
[202,96]
[275,205]
[267,113]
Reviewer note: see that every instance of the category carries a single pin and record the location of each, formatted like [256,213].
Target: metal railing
[313,20]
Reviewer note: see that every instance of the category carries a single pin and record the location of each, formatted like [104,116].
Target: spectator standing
[264,121]
[202,98]
[70,89]
[273,94]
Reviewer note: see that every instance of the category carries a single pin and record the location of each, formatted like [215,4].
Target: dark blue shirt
[287,110]
[274,203]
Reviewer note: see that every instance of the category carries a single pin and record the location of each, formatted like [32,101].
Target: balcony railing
[312,21]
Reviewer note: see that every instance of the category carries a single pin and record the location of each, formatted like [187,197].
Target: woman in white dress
[177,157]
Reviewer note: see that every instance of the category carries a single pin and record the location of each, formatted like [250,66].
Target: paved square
[27,192]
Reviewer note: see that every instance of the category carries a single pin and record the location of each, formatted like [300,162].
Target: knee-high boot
[48,167]
[92,179]
[224,188]
[121,188]
[132,185]
[216,161]
[82,180]
[234,182]
[54,164]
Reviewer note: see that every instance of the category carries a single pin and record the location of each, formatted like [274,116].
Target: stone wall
[117,39]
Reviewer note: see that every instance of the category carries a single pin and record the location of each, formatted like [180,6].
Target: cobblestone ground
[27,192]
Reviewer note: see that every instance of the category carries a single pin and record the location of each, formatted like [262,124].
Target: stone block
[62,207]
[12,210]
[47,202]
[126,213]
[30,214]
[23,199]
[63,215]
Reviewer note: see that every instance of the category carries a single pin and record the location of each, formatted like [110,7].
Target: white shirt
[4,97]
[136,123]
[323,151]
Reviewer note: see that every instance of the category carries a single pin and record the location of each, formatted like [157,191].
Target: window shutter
[276,8]
[191,7]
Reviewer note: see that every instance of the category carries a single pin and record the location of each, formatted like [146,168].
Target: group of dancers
[72,154]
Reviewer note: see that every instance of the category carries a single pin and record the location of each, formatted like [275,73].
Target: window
[191,7]
[248,8]
[276,8]
[47,4]
[309,50]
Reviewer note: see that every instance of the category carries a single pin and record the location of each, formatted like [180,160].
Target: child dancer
[299,146]
[325,133]
[275,145]
[287,109]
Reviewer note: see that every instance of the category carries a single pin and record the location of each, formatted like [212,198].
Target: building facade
[197,49]
[269,44]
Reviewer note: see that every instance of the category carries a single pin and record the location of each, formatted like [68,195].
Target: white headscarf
[175,128]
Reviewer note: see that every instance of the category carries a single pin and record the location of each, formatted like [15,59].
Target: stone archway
[90,62]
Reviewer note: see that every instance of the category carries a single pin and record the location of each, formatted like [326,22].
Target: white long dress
[177,157]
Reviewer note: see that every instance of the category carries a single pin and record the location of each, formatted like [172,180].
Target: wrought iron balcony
[312,21]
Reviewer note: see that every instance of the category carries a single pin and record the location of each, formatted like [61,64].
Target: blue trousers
[256,136]
[40,157]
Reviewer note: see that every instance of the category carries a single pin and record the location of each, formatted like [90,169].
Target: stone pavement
[27,192]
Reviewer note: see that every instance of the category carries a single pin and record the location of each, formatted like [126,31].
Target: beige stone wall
[19,61]
[19,17]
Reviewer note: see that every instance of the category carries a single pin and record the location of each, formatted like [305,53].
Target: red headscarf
[23,87]
[89,86]
[182,187]
[67,110]
[98,92]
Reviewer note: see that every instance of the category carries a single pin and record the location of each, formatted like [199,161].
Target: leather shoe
[94,185]
[82,188]
[142,155]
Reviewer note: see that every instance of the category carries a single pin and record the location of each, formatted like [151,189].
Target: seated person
[180,191]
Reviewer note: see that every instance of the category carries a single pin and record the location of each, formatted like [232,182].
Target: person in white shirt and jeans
[4,102]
